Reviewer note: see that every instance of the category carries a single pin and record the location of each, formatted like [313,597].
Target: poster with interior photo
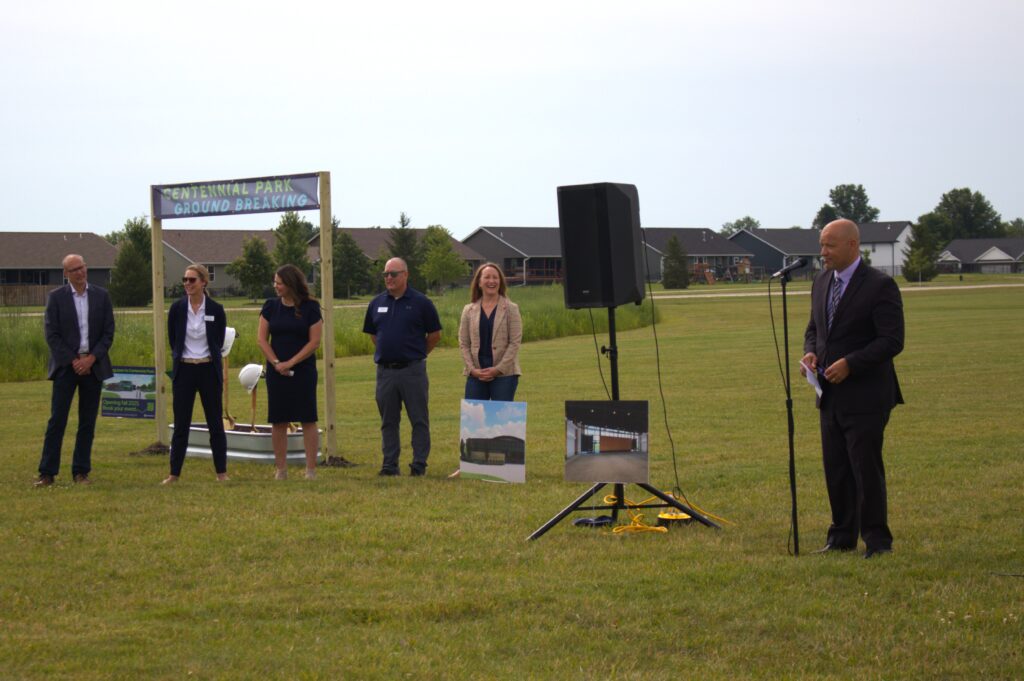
[492,441]
[606,441]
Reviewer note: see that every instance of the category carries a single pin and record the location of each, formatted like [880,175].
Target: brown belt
[201,360]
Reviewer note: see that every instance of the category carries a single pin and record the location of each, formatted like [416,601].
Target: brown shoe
[43,481]
[82,479]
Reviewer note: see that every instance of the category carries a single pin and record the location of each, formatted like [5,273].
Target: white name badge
[208,318]
[382,310]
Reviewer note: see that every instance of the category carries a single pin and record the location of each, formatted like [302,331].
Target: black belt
[397,365]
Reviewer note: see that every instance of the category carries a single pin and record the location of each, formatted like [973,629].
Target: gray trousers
[395,387]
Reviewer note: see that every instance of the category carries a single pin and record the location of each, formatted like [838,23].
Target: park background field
[353,576]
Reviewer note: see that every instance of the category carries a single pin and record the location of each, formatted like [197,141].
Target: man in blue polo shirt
[404,327]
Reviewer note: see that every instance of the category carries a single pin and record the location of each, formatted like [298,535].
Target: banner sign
[130,393]
[236,197]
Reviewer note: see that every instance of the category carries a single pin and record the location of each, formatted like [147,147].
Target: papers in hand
[812,378]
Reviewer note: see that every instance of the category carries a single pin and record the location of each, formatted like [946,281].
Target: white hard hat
[249,376]
[229,338]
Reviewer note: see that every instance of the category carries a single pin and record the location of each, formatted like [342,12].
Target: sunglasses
[394,274]
[189,280]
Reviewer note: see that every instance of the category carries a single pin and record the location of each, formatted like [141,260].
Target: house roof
[882,232]
[694,240]
[545,242]
[374,240]
[46,250]
[213,246]
[788,241]
[532,242]
[976,250]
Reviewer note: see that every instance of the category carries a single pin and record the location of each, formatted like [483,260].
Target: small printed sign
[130,393]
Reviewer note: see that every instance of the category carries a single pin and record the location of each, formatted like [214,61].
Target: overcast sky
[470,113]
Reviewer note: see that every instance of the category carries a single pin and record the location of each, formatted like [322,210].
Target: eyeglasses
[394,274]
[189,280]
[76,269]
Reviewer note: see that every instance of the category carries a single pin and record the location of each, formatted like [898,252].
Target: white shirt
[196,345]
[82,310]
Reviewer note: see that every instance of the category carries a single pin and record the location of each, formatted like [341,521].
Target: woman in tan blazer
[490,333]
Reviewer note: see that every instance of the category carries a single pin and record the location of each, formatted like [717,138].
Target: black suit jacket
[62,334]
[177,319]
[868,331]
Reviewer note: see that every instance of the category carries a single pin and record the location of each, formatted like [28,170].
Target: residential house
[987,256]
[215,248]
[30,263]
[706,250]
[773,249]
[533,255]
[374,242]
[528,255]
[886,244]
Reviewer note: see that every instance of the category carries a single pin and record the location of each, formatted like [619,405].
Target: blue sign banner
[236,197]
[130,393]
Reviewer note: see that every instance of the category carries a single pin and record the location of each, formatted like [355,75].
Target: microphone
[795,265]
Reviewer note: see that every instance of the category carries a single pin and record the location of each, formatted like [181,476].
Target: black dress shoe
[387,472]
[417,471]
[830,547]
[873,553]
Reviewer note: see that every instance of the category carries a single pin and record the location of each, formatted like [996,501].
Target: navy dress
[291,398]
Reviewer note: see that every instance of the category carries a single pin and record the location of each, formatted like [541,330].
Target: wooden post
[159,319]
[328,444]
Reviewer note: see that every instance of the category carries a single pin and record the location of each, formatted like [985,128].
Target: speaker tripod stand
[619,487]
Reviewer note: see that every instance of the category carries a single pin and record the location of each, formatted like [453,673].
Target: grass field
[353,576]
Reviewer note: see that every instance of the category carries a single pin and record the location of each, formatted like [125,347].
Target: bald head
[840,244]
[396,277]
[75,271]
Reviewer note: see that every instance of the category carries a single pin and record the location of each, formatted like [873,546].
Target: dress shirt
[82,310]
[843,278]
[196,345]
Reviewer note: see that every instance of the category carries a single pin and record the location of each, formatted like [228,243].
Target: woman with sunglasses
[195,328]
[289,334]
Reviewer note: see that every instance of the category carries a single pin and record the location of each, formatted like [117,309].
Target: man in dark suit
[855,331]
[79,325]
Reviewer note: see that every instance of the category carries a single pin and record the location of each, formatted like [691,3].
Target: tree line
[432,261]
[960,214]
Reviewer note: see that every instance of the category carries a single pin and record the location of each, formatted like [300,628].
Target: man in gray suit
[79,325]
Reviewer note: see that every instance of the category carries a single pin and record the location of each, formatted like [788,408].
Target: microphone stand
[784,279]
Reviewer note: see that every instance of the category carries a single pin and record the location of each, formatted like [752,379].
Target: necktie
[833,300]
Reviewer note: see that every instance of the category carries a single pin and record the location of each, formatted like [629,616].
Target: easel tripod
[620,498]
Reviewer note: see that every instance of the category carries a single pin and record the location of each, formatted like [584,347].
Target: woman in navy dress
[289,334]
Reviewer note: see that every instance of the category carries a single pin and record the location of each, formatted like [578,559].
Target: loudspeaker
[599,225]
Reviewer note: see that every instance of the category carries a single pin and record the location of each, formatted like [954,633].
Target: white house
[887,244]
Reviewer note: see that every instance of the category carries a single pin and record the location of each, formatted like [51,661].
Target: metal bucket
[245,445]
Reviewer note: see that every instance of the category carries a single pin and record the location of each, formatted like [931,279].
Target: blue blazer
[177,319]
[62,334]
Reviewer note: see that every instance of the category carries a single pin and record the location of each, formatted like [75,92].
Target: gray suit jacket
[62,335]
